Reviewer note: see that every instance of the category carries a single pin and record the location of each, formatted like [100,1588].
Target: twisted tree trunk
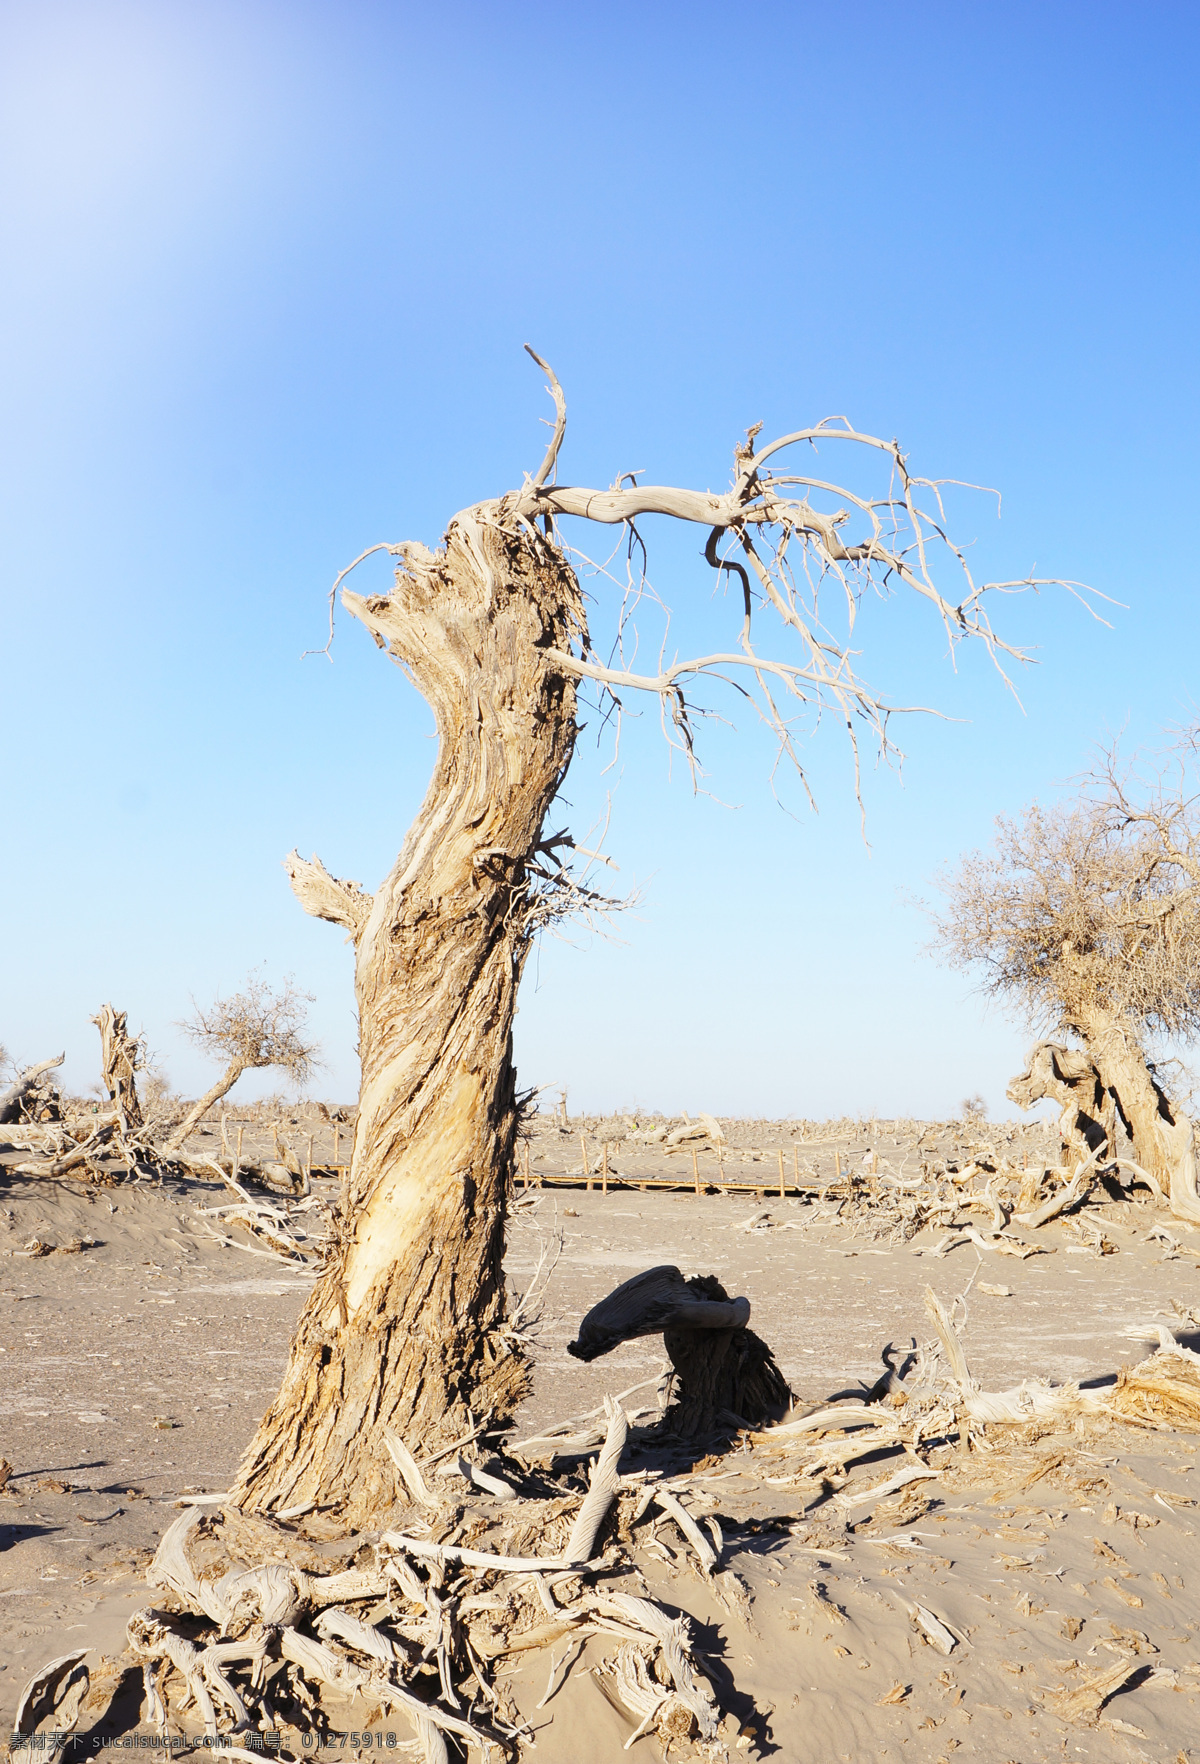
[1162,1134]
[1110,1079]
[404,1332]
[1072,1079]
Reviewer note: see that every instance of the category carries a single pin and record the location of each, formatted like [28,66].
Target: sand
[133,1371]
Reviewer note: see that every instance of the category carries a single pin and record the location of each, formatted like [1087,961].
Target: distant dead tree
[121,1058]
[1086,918]
[405,1332]
[251,1029]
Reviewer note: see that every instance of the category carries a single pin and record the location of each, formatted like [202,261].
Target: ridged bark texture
[1072,1079]
[404,1332]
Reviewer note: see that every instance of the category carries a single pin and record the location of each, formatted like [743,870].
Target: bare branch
[560,419]
[326,896]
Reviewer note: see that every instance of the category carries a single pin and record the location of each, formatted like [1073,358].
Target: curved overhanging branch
[863,541]
[795,547]
[669,679]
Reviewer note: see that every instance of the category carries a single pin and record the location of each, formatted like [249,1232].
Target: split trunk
[1109,1086]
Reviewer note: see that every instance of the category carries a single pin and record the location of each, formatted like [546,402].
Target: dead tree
[121,1058]
[1086,918]
[251,1029]
[405,1333]
[24,1089]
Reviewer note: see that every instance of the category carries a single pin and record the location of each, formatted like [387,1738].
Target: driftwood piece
[1083,1702]
[51,1700]
[1075,1190]
[671,1634]
[999,1245]
[273,1593]
[151,1637]
[1032,1398]
[424,1549]
[79,1154]
[863,1497]
[409,1469]
[341,1675]
[831,1416]
[603,1486]
[364,1637]
[674,1509]
[13,1099]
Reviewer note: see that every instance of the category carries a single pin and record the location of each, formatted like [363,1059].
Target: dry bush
[258,1027]
[1081,909]
[251,1029]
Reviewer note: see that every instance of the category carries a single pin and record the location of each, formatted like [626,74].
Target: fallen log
[80,1154]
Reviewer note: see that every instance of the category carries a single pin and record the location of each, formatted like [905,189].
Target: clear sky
[267,270]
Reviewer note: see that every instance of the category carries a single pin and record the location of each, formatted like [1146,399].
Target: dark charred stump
[724,1373]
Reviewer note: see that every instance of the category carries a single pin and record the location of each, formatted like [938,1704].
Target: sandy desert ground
[1055,1558]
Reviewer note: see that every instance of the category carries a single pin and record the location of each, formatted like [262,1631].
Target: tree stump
[723,1371]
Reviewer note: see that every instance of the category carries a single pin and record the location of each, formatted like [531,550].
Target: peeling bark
[404,1333]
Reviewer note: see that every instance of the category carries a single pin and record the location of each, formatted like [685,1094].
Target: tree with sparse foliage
[250,1030]
[1085,917]
[405,1333]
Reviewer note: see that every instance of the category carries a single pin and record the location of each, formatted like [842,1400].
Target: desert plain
[1029,1592]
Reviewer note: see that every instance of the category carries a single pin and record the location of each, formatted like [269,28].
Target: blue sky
[267,273]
